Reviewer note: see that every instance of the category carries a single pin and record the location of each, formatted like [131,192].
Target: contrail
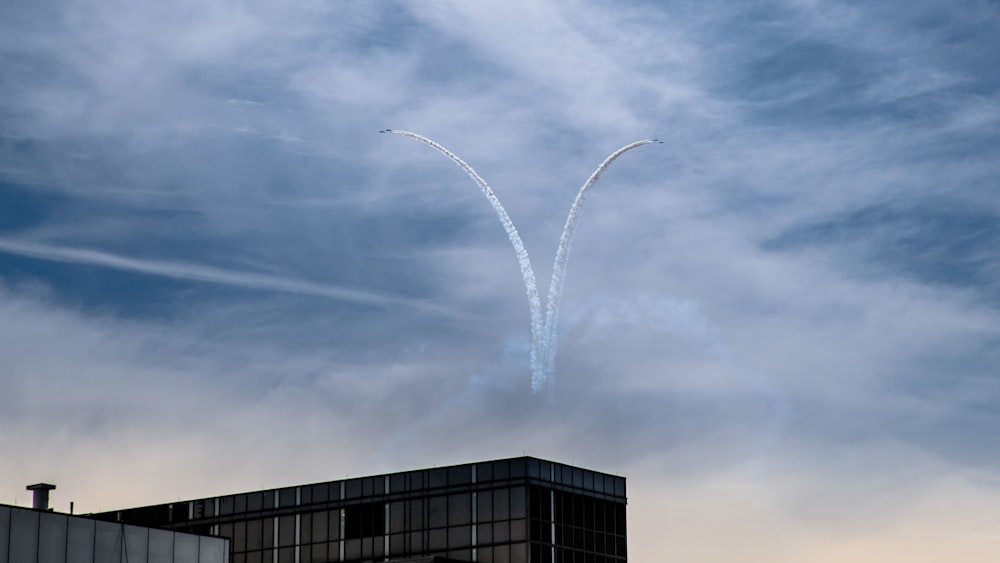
[543,331]
[550,333]
[534,302]
[195,272]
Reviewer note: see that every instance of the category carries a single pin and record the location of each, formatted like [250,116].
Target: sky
[782,325]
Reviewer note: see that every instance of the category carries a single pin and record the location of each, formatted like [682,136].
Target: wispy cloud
[195,272]
[797,294]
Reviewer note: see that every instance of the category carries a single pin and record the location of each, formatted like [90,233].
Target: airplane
[385,130]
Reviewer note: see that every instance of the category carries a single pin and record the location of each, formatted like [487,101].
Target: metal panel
[23,535]
[80,544]
[52,538]
[4,532]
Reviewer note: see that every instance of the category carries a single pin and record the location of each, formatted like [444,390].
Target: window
[459,475]
[364,520]
[459,509]
[436,512]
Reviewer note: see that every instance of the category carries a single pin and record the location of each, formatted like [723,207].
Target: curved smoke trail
[549,332]
[534,302]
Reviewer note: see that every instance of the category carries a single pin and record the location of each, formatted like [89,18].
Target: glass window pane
[286,531]
[319,527]
[305,528]
[517,468]
[268,529]
[546,474]
[459,509]
[438,540]
[484,506]
[314,553]
[460,475]
[286,497]
[459,536]
[203,508]
[501,470]
[397,544]
[397,483]
[417,479]
[366,549]
[518,502]
[416,540]
[397,517]
[534,469]
[519,553]
[436,512]
[352,549]
[437,478]
[501,532]
[484,534]
[334,523]
[484,472]
[501,504]
[518,530]
[238,535]
[320,492]
[255,535]
[353,490]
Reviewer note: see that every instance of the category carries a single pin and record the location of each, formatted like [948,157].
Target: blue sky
[781,324]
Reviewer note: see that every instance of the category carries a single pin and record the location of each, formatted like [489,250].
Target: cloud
[781,324]
[209,274]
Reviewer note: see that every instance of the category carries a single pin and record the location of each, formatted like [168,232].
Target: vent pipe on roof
[41,499]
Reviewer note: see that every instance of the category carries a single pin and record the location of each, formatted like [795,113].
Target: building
[520,510]
[39,536]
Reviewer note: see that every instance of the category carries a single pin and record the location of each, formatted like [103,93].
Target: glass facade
[35,536]
[520,510]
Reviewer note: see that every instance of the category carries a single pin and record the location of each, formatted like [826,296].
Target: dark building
[520,510]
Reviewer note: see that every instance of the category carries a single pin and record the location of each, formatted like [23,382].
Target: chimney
[41,498]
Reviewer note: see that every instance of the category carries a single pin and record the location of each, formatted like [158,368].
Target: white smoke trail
[549,332]
[530,286]
[543,332]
